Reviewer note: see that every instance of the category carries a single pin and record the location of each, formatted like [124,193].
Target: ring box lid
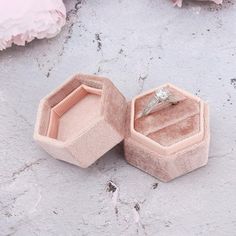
[81,120]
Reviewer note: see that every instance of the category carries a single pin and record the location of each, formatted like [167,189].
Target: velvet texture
[172,140]
[78,122]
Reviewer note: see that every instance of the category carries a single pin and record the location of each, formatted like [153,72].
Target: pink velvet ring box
[87,116]
[81,120]
[170,141]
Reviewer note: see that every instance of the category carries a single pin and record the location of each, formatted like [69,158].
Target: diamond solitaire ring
[160,95]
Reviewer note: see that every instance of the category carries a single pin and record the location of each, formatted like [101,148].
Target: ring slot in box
[77,122]
[170,141]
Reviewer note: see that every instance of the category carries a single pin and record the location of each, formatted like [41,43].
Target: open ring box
[87,116]
[170,141]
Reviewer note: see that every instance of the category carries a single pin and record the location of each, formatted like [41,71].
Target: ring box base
[172,140]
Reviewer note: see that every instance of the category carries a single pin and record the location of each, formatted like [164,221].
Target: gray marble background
[138,44]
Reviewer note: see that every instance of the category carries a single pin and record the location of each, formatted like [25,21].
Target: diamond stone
[162,94]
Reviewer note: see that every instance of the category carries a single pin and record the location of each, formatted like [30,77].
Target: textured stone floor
[139,44]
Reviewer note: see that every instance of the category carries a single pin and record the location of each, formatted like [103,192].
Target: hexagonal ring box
[87,116]
[81,120]
[170,141]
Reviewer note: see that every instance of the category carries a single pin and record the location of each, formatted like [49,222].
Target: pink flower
[179,2]
[22,21]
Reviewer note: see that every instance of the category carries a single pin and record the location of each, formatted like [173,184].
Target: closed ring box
[87,116]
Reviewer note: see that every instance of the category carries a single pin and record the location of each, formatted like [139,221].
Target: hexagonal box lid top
[77,122]
[169,128]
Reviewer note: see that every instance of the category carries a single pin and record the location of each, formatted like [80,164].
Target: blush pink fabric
[23,21]
[180,2]
[171,140]
[81,120]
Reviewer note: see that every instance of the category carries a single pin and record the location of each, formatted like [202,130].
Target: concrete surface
[139,44]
